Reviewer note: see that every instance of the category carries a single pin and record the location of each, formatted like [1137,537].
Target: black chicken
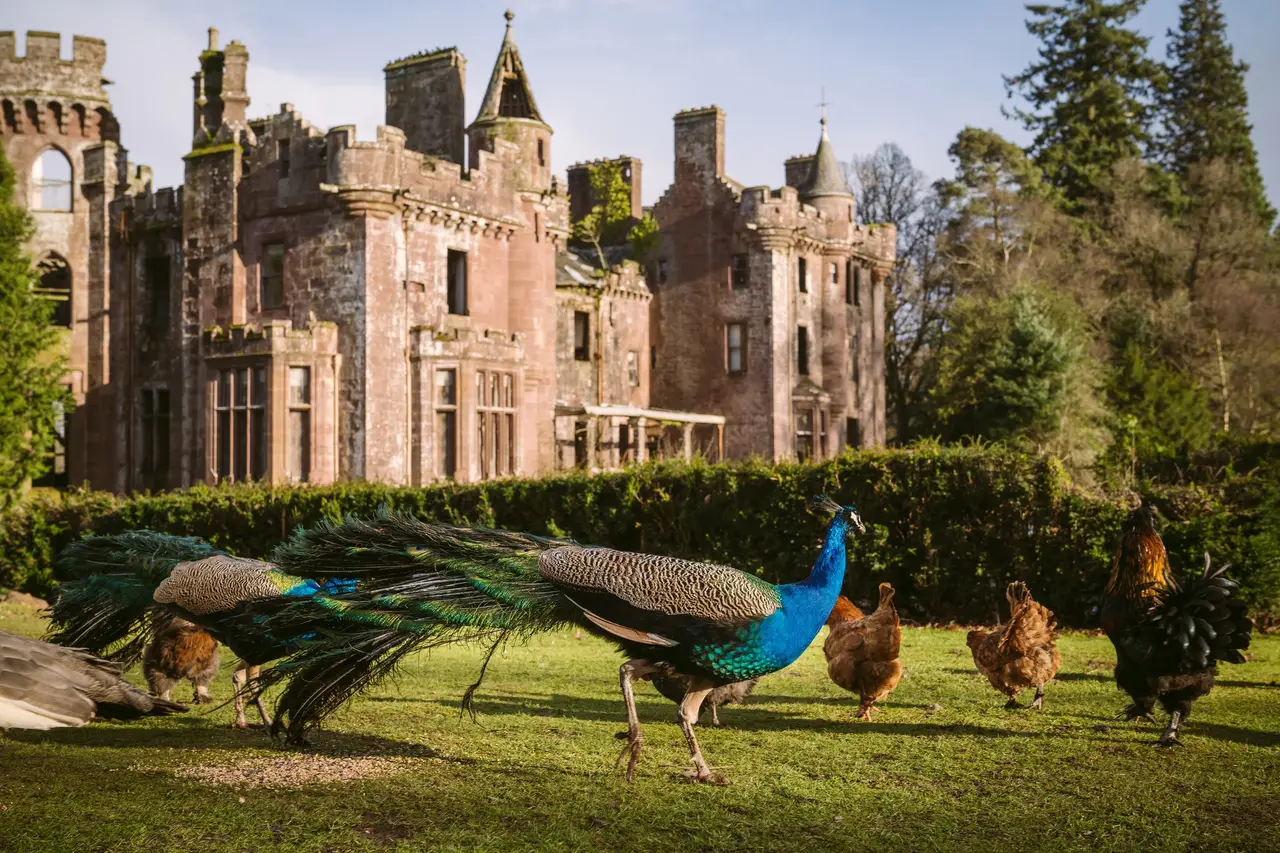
[1168,639]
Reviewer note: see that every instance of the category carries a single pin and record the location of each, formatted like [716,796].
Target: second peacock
[417,584]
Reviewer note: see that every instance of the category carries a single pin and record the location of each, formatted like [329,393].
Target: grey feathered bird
[43,686]
[675,686]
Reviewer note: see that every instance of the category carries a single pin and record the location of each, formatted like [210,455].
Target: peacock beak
[856,521]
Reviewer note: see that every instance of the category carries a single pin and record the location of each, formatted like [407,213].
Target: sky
[608,75]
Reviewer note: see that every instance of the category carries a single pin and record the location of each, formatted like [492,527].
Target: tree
[609,222]
[1204,110]
[1089,94]
[1003,369]
[31,368]
[992,188]
[890,189]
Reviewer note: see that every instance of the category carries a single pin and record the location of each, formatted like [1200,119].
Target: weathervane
[823,104]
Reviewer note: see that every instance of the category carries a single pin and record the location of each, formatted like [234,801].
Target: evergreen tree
[1205,108]
[31,367]
[1089,94]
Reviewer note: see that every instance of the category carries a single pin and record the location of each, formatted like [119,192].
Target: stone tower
[509,126]
[426,99]
[63,142]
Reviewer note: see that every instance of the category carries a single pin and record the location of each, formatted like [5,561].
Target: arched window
[51,181]
[10,116]
[55,285]
[80,121]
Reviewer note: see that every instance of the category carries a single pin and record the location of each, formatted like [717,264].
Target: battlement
[42,70]
[699,112]
[436,56]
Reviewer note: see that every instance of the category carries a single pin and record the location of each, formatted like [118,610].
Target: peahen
[43,686]
[125,586]
[414,585]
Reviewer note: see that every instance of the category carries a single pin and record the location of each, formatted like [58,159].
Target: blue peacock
[347,601]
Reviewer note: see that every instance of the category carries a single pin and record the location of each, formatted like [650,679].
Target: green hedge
[949,527]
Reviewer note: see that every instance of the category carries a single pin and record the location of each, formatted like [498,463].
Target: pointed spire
[509,94]
[825,179]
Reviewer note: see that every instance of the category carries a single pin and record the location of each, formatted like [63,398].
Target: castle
[307,307]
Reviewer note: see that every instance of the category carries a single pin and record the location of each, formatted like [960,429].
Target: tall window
[662,271]
[835,273]
[51,181]
[241,424]
[157,274]
[852,432]
[738,272]
[735,348]
[802,275]
[495,423]
[299,460]
[447,422]
[56,476]
[804,434]
[802,350]
[271,275]
[457,284]
[859,277]
[542,155]
[55,285]
[633,368]
[155,437]
[581,336]
[282,154]
[848,282]
[853,358]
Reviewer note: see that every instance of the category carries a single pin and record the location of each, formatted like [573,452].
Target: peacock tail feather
[107,606]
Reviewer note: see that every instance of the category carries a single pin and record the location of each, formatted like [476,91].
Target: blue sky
[609,74]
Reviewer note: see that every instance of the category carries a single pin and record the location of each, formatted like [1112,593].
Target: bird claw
[1012,705]
[696,776]
[1166,741]
[1133,712]
[1038,704]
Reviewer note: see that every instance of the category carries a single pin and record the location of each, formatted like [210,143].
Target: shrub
[948,527]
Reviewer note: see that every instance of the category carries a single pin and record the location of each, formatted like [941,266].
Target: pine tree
[1205,108]
[31,366]
[1090,94]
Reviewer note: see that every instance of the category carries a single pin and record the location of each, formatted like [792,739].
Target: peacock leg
[715,715]
[238,679]
[687,716]
[637,668]
[1038,703]
[255,672]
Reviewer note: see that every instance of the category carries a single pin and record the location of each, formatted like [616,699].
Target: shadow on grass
[191,736]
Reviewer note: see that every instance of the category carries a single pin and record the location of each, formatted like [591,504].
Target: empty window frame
[240,439]
[271,276]
[298,462]
[735,348]
[457,282]
[581,336]
[446,406]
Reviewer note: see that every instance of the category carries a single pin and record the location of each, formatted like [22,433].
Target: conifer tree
[31,367]
[1089,94]
[1205,108]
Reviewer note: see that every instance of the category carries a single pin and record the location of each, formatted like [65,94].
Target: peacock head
[822,503]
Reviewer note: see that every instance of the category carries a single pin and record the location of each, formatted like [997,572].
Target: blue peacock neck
[805,605]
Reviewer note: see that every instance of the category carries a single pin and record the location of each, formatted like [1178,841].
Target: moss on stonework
[211,149]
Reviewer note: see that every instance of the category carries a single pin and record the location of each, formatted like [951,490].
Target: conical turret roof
[826,178]
[509,94]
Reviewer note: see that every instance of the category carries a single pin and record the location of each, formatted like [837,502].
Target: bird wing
[658,601]
[217,584]
[41,680]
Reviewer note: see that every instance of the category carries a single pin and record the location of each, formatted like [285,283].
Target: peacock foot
[864,711]
[1012,704]
[635,743]
[704,776]
[1168,739]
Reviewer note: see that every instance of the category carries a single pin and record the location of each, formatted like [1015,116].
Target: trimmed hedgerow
[949,527]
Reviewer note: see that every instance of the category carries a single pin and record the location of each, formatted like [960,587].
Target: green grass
[537,772]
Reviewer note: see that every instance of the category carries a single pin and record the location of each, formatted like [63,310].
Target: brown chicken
[862,651]
[181,650]
[1024,654]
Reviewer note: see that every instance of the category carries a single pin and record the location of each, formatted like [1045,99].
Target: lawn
[943,767]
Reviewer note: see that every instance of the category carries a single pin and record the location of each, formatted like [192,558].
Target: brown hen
[862,651]
[1025,653]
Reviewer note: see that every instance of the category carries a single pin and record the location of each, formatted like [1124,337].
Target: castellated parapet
[42,71]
